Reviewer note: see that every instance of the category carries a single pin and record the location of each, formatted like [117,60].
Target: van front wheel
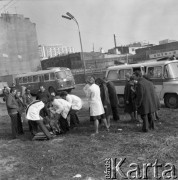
[171,101]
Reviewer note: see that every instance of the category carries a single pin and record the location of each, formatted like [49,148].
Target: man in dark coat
[145,101]
[113,99]
[13,108]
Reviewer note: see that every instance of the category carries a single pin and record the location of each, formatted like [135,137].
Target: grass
[79,153]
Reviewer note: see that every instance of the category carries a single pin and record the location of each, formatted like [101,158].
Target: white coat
[95,103]
[75,101]
[62,107]
[33,111]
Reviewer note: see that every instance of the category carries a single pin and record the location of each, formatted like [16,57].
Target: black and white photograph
[88,89]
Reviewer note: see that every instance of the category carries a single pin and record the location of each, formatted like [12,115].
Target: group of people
[48,112]
[141,98]
[103,101]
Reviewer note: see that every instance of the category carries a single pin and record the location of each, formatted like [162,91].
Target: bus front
[65,80]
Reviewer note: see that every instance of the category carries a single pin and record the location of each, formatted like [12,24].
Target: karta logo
[114,169]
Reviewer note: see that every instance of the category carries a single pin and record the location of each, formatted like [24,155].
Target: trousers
[148,122]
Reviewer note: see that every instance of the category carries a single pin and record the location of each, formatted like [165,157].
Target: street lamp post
[71,17]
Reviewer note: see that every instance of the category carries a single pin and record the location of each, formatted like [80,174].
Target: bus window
[68,73]
[112,75]
[155,72]
[35,78]
[52,76]
[20,80]
[29,78]
[60,75]
[24,79]
[41,78]
[46,77]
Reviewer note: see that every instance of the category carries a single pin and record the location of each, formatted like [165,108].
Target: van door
[155,74]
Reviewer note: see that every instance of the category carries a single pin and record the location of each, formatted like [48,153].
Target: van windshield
[172,70]
[60,75]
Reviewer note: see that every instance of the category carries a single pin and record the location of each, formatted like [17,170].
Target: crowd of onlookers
[56,114]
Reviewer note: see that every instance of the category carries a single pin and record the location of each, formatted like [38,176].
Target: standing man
[27,97]
[145,101]
[113,99]
[95,104]
[13,108]
[43,95]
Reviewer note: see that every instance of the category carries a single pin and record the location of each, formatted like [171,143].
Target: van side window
[52,76]
[35,78]
[112,75]
[166,72]
[155,72]
[29,78]
[123,72]
[24,79]
[46,77]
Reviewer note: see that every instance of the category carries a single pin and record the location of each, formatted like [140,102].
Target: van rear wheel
[121,103]
[171,101]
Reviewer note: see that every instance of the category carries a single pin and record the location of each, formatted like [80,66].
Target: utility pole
[115,44]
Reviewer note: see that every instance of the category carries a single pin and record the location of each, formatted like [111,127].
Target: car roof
[150,63]
[55,69]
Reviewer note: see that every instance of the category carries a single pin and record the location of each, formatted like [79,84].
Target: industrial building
[18,46]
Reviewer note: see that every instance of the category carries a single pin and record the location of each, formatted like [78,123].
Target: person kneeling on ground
[35,120]
[61,107]
[76,106]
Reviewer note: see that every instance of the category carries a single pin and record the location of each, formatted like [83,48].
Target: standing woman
[105,99]
[129,106]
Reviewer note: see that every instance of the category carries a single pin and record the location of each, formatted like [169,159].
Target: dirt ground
[79,153]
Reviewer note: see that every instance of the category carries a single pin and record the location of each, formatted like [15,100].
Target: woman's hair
[99,81]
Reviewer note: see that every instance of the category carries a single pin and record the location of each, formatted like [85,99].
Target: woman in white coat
[95,104]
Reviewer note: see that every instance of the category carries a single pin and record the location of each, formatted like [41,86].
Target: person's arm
[86,90]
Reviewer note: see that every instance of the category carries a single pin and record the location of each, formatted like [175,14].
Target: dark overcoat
[112,94]
[145,97]
[129,96]
[105,99]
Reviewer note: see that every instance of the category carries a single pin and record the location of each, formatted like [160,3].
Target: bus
[53,80]
[162,72]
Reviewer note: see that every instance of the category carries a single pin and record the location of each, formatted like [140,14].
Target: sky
[130,20]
